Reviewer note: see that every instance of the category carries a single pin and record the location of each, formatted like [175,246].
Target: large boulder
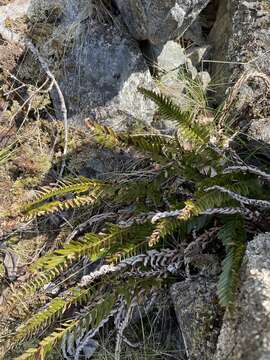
[10,11]
[159,20]
[101,76]
[245,333]
[198,316]
[259,129]
[96,62]
[99,66]
[240,40]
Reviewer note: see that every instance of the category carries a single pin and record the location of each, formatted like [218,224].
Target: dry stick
[45,67]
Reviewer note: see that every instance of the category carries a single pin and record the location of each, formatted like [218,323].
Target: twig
[45,67]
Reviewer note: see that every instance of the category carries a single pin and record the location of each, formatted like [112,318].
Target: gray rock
[245,333]
[13,10]
[198,314]
[196,54]
[204,79]
[219,38]
[159,20]
[240,40]
[194,33]
[171,56]
[259,129]
[100,69]
[110,70]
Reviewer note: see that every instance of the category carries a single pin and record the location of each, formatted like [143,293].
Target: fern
[179,227]
[182,184]
[154,144]
[47,345]
[233,237]
[56,308]
[63,187]
[40,207]
[92,318]
[115,243]
[31,287]
[191,131]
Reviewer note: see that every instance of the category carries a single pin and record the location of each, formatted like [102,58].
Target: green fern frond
[60,205]
[233,236]
[56,308]
[141,191]
[39,206]
[65,186]
[154,144]
[90,319]
[49,343]
[133,242]
[90,245]
[180,228]
[164,228]
[240,183]
[94,246]
[32,286]
[192,131]
[214,199]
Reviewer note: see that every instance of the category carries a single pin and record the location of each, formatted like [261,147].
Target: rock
[259,129]
[198,316]
[197,53]
[110,70]
[194,33]
[245,333]
[170,56]
[159,20]
[240,41]
[219,38]
[100,66]
[96,63]
[9,14]
[204,79]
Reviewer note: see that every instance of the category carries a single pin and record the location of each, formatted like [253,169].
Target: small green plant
[183,194]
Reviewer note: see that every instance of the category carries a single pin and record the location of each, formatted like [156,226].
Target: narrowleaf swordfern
[184,194]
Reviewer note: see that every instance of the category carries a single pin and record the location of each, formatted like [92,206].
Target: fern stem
[242,199]
[250,169]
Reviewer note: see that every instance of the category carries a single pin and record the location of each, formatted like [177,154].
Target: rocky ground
[99,52]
